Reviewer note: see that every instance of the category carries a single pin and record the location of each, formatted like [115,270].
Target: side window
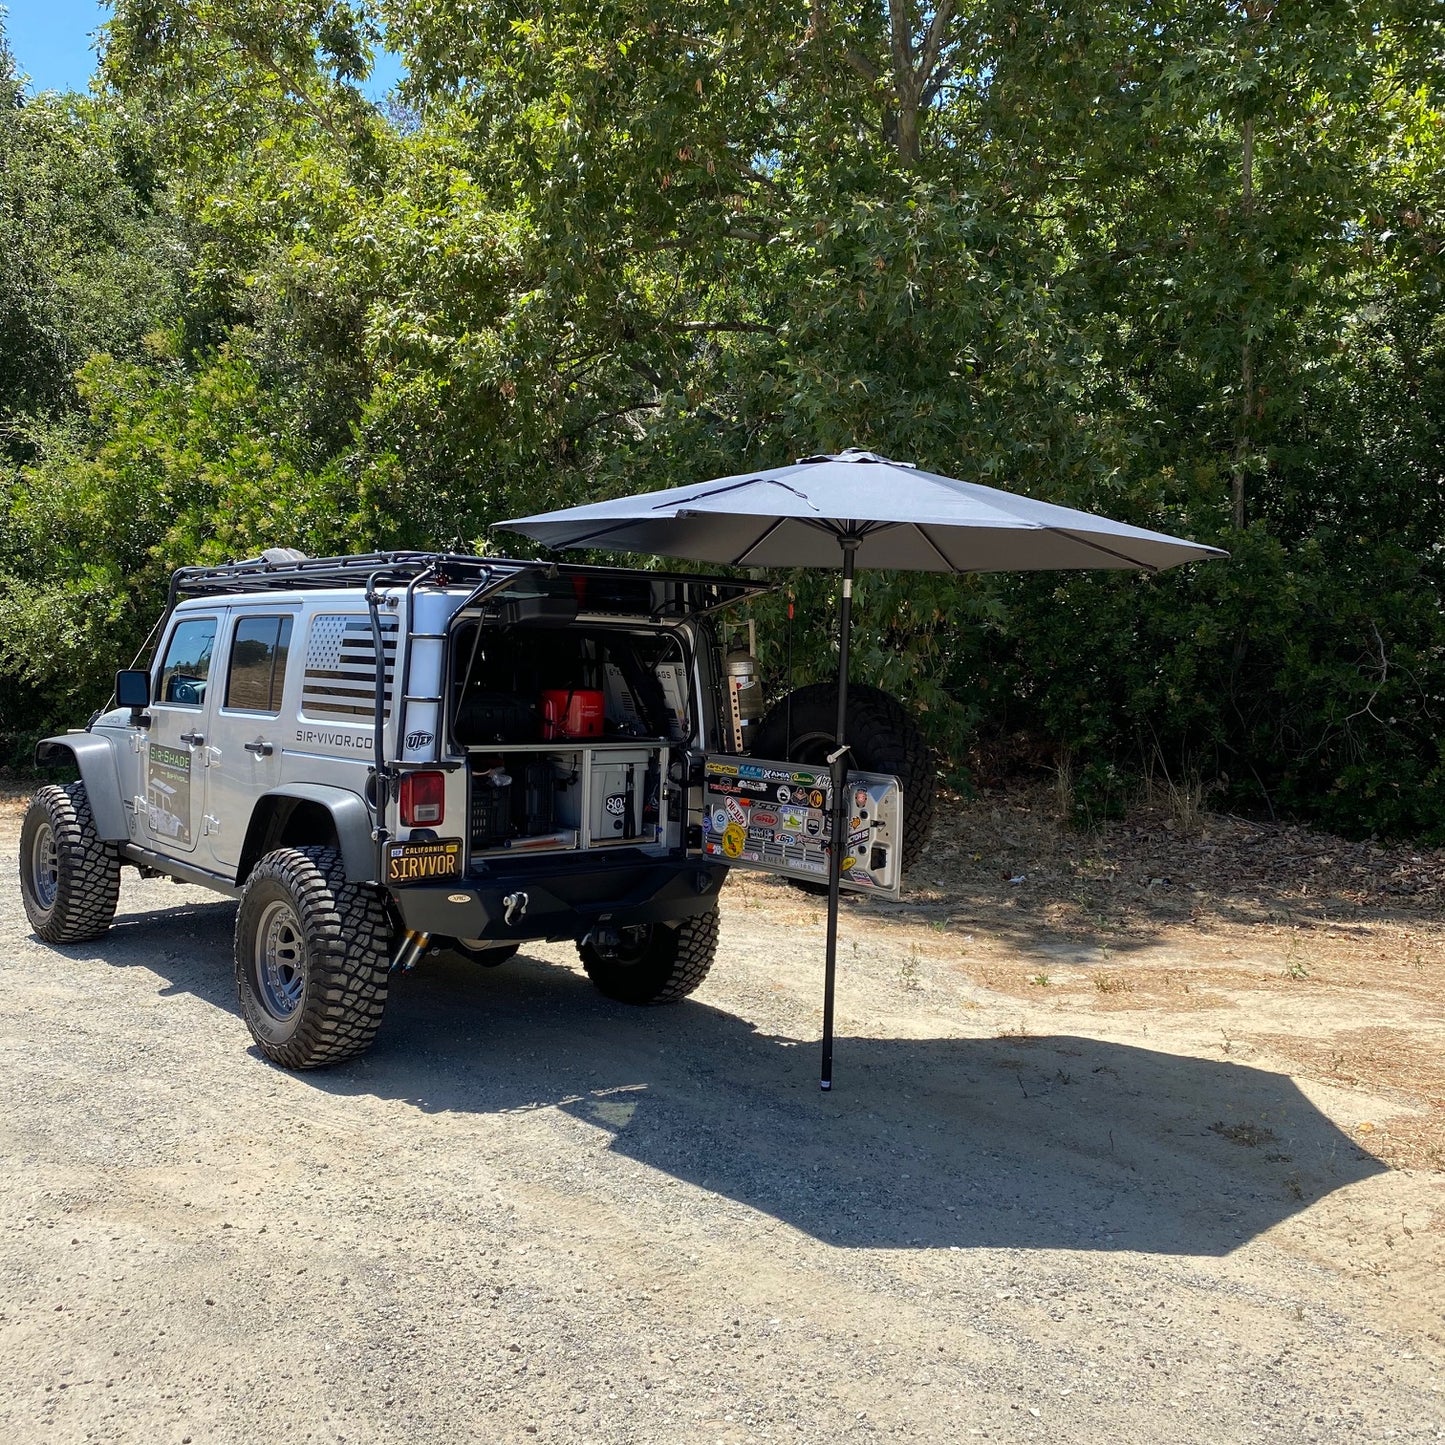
[258,664]
[339,680]
[187,663]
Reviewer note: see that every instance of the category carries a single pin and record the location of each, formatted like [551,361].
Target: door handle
[261,748]
[194,740]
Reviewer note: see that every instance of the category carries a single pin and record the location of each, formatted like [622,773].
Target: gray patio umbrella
[848,510]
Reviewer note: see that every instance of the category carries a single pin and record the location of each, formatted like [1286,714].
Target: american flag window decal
[340,676]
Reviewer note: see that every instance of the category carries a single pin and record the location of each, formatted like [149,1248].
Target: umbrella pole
[840,809]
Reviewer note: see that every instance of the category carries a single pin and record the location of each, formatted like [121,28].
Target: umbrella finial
[855,454]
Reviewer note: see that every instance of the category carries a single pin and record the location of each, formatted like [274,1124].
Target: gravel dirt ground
[1144,1146]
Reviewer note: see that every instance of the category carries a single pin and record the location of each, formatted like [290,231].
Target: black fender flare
[93,756]
[350,816]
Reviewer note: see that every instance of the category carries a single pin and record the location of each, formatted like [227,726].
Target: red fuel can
[574,712]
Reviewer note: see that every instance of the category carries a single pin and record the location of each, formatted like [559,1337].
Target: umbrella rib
[848,529]
[767,532]
[583,538]
[945,558]
[1098,547]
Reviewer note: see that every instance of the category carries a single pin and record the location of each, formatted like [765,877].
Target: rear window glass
[339,680]
[258,664]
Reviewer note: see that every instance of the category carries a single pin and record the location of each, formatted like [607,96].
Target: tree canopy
[1177,262]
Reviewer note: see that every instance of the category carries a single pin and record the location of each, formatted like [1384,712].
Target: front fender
[94,757]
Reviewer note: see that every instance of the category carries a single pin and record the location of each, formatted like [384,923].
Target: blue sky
[54,43]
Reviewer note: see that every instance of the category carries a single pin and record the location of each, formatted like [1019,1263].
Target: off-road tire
[328,945]
[882,738]
[69,876]
[665,964]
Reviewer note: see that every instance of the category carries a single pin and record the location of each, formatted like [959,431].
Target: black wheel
[653,963]
[69,877]
[882,738]
[312,955]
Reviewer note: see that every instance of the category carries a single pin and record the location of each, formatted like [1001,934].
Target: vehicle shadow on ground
[1052,1142]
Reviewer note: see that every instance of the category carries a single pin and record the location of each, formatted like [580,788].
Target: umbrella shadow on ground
[1051,1142]
[1055,1142]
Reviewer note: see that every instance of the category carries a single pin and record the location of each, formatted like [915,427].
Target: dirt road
[1118,1204]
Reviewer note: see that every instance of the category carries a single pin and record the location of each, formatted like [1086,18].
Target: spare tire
[881,739]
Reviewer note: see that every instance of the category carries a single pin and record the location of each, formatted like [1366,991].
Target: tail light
[423,800]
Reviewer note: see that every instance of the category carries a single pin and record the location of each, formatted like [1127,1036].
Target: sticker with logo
[616,804]
[792,818]
[785,793]
[735,811]
[719,819]
[734,837]
[813,827]
[417,740]
[860,798]
[816,798]
[764,819]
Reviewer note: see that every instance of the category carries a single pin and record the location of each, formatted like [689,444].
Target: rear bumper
[621,889]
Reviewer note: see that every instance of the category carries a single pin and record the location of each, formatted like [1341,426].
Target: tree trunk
[906,136]
[1246,360]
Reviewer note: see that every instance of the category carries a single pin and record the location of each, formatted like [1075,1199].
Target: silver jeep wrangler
[386,754]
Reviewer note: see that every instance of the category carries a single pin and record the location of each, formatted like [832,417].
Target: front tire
[654,963]
[69,876]
[312,957]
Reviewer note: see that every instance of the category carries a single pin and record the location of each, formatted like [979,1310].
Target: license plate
[424,862]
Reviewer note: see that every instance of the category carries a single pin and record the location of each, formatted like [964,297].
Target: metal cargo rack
[686,591]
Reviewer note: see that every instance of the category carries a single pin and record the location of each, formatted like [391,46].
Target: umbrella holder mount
[777,817]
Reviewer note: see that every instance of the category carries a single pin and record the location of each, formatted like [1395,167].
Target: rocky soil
[1136,1137]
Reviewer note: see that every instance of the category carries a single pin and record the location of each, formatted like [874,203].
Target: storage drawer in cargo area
[624,797]
[540,798]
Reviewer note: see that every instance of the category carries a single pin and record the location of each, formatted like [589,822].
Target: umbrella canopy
[848,510]
[902,518]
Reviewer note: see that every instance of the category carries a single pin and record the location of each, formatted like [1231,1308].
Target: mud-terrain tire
[69,877]
[658,963]
[882,738]
[312,956]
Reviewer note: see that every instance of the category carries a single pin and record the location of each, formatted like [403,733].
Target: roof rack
[308,573]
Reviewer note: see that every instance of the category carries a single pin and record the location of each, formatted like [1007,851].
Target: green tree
[90,256]
[1178,262]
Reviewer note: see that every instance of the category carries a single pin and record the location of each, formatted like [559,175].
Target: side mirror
[133,690]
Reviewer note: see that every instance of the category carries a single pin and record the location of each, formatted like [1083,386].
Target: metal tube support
[839,840]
